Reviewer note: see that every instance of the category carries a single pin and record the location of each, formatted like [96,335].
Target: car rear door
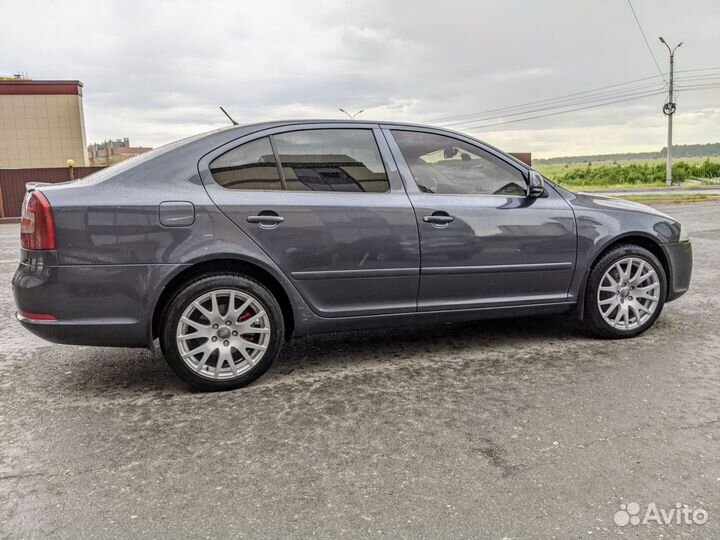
[484,243]
[326,203]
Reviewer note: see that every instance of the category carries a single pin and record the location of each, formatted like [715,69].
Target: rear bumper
[99,332]
[105,305]
[680,261]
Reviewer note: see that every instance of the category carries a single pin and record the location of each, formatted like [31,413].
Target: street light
[669,110]
[71,168]
[351,116]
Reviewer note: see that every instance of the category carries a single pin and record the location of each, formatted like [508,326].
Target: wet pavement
[518,429]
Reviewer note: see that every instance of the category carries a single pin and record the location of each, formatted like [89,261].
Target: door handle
[438,218]
[266,219]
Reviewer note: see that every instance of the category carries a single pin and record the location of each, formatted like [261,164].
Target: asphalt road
[519,429]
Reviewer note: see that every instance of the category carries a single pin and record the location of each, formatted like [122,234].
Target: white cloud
[523,74]
[157,71]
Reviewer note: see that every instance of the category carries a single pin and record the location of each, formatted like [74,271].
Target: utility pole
[669,110]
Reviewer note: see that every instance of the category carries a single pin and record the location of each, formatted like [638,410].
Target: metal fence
[12,184]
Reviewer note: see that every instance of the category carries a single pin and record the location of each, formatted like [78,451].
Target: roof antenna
[234,123]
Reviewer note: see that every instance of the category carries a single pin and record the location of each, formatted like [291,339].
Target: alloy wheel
[629,293]
[223,334]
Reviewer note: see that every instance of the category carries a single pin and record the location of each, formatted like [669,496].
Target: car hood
[603,201]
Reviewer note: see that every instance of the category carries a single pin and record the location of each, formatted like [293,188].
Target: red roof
[24,87]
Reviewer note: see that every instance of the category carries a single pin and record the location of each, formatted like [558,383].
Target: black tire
[593,321]
[206,284]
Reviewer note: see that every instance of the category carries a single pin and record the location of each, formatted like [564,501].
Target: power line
[638,91]
[590,99]
[594,106]
[709,84]
[698,87]
[690,88]
[556,105]
[700,77]
[442,120]
[546,100]
[700,69]
[646,41]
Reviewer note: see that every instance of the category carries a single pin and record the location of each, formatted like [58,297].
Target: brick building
[109,152]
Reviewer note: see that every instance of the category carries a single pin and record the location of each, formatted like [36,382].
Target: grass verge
[670,198]
[610,187]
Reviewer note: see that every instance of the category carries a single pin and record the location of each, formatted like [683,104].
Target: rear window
[331,160]
[342,160]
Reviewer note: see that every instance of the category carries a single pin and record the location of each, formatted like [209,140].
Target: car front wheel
[625,293]
[222,331]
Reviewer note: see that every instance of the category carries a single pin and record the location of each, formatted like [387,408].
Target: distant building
[109,152]
[525,157]
[41,123]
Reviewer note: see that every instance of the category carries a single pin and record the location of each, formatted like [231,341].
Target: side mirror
[536,185]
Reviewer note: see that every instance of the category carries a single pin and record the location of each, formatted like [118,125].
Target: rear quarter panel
[112,249]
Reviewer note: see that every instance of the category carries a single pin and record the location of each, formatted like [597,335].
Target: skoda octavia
[224,245]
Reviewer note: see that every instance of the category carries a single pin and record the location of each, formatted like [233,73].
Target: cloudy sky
[156,71]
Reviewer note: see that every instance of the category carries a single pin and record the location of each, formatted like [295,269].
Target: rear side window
[346,160]
[249,166]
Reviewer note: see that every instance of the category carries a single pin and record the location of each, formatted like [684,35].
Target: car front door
[483,242]
[322,202]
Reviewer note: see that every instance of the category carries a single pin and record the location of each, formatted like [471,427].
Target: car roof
[249,128]
[306,121]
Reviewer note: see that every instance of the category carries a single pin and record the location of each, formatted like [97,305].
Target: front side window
[346,160]
[448,166]
[248,166]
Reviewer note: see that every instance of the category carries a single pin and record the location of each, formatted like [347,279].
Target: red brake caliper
[244,317]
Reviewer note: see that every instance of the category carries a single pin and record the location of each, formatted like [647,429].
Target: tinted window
[331,160]
[249,166]
[445,165]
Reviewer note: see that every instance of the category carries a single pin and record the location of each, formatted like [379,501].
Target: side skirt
[320,325]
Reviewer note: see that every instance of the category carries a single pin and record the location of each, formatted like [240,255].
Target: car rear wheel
[222,331]
[625,293]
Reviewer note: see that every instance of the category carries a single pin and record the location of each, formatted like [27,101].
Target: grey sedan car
[224,245]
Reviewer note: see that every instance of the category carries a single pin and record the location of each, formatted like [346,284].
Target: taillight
[37,316]
[37,228]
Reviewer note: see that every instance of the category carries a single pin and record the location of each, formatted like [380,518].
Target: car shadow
[499,330]
[370,346]
[107,371]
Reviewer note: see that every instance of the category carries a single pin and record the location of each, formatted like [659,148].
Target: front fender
[603,222]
